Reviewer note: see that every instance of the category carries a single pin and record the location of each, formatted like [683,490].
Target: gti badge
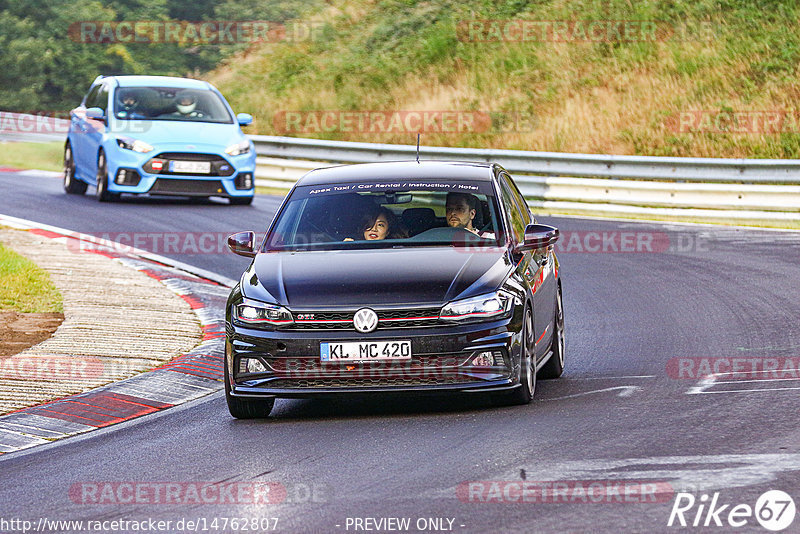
[365,320]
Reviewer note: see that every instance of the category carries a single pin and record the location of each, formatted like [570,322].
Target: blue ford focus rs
[158,135]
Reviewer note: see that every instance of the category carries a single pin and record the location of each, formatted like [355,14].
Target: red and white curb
[187,377]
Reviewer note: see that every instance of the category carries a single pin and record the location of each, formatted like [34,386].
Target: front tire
[102,193]
[72,185]
[527,373]
[555,365]
[246,408]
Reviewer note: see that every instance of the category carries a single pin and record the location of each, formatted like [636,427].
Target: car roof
[400,170]
[159,81]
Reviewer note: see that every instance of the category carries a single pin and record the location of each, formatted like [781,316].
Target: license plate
[365,351]
[194,167]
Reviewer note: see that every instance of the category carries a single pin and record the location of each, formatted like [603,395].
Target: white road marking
[684,473]
[607,377]
[702,387]
[624,391]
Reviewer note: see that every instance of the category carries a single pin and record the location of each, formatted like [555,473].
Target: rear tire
[102,193]
[72,185]
[555,365]
[240,201]
[246,408]
[527,372]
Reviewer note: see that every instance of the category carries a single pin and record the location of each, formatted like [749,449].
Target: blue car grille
[219,165]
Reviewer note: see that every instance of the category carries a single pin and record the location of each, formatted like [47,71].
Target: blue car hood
[180,132]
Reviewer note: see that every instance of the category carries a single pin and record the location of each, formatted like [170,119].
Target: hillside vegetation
[730,64]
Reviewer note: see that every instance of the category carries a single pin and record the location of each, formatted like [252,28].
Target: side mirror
[244,119]
[96,114]
[243,244]
[539,236]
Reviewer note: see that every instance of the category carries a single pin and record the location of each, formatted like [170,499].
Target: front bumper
[441,361]
[129,172]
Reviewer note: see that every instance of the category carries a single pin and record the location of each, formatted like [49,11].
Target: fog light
[251,365]
[244,180]
[127,177]
[484,359]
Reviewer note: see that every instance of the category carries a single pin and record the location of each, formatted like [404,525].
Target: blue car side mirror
[96,114]
[244,119]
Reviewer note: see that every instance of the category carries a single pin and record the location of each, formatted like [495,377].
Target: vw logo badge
[365,320]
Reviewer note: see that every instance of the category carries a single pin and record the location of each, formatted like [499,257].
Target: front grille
[219,165]
[387,319]
[172,186]
[290,366]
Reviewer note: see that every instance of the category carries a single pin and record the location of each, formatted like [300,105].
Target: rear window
[387,215]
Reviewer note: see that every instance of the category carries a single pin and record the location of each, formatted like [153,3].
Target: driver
[185,105]
[460,210]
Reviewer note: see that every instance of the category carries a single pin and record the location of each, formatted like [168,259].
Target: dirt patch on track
[19,331]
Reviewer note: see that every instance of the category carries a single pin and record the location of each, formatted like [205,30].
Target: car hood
[189,133]
[394,277]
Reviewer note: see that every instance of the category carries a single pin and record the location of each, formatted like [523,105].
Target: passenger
[380,223]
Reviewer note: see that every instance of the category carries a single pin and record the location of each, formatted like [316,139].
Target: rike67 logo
[774,510]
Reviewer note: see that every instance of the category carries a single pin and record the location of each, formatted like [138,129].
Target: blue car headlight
[490,306]
[238,149]
[260,315]
[137,145]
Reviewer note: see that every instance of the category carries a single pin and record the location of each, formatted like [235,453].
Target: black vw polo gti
[395,277]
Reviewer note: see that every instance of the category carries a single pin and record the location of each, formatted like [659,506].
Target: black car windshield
[170,104]
[387,215]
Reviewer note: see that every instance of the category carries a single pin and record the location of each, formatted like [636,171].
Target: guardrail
[705,188]
[30,128]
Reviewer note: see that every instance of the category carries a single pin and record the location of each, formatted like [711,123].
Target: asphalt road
[629,414]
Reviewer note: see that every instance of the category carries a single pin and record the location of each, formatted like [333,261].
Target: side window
[91,96]
[512,211]
[102,98]
[519,200]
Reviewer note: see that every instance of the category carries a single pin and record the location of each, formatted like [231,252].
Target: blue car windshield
[170,104]
[387,215]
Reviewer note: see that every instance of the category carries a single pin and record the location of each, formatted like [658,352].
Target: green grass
[42,156]
[24,287]
[614,97]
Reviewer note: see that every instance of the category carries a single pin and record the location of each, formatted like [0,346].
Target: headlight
[238,149]
[260,315]
[481,308]
[134,144]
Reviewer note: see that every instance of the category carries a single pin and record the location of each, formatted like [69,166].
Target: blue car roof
[160,81]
